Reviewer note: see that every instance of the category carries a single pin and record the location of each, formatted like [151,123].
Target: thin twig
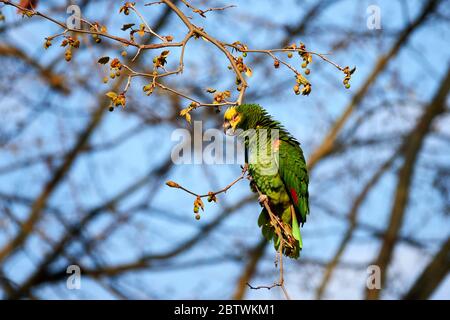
[146,24]
[202,12]
[279,259]
[214,193]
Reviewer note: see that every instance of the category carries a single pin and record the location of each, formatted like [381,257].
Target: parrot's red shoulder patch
[276,145]
[294,195]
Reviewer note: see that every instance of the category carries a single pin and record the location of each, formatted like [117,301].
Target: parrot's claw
[262,199]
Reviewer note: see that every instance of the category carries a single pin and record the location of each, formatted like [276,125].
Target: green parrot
[278,172]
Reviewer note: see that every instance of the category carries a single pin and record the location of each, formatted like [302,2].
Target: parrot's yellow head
[245,117]
[232,118]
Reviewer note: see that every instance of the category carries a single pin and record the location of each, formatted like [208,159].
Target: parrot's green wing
[293,172]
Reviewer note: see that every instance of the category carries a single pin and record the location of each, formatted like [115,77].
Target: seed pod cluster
[186,112]
[47,43]
[198,204]
[70,43]
[302,81]
[168,38]
[126,7]
[115,68]
[68,55]
[306,56]
[212,197]
[96,27]
[141,31]
[161,60]
[276,64]
[220,97]
[242,67]
[116,99]
[148,88]
[348,74]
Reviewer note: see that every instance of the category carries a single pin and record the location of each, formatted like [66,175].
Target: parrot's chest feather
[263,168]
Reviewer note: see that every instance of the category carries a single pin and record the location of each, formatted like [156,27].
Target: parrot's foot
[262,198]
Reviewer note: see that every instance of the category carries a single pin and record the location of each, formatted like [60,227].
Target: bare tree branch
[432,275]
[405,175]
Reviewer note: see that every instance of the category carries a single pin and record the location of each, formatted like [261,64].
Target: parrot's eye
[235,117]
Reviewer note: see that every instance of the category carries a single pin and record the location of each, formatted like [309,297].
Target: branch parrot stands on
[286,185]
